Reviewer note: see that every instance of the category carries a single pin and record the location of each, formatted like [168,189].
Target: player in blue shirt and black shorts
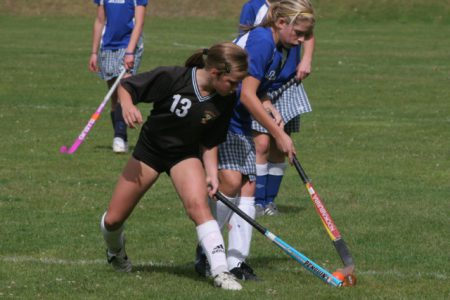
[117,33]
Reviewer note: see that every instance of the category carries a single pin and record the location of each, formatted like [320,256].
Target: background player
[118,33]
[192,106]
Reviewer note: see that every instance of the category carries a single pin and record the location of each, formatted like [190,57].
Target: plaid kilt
[238,153]
[291,104]
[111,61]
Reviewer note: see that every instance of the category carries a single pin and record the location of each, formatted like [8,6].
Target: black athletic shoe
[244,272]
[202,266]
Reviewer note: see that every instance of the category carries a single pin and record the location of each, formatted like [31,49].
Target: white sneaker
[119,145]
[119,261]
[259,210]
[227,281]
[271,210]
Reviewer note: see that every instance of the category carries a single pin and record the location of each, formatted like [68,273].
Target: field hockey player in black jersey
[192,106]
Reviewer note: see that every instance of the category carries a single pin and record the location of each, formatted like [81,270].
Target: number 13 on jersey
[180,106]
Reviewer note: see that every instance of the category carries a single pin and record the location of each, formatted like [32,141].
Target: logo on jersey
[208,116]
[271,75]
[116,1]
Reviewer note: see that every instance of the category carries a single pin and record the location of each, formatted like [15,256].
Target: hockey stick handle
[277,93]
[111,91]
[308,264]
[300,170]
[93,118]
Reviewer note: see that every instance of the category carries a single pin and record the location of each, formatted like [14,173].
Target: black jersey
[181,119]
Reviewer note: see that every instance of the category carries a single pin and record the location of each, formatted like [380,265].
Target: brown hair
[225,57]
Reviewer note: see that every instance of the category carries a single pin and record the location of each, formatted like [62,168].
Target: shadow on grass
[187,270]
[104,148]
[183,270]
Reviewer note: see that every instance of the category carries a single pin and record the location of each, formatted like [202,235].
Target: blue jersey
[119,22]
[253,12]
[270,64]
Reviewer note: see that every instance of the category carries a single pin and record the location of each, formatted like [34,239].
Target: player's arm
[145,87]
[130,112]
[305,66]
[210,161]
[139,17]
[99,23]
[253,104]
[272,111]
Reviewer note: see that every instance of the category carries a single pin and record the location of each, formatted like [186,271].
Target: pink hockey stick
[93,119]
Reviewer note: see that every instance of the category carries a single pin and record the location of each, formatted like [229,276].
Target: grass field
[377,146]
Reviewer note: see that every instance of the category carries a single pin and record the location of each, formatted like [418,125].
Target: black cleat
[244,272]
[202,266]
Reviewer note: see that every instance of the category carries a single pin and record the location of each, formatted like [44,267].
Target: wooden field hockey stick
[333,232]
[307,263]
[93,118]
[330,227]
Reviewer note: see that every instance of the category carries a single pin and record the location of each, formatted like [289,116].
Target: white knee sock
[212,243]
[221,212]
[114,239]
[240,234]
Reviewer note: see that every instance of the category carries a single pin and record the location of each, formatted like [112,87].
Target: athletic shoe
[202,266]
[119,145]
[271,209]
[244,272]
[119,261]
[259,210]
[227,281]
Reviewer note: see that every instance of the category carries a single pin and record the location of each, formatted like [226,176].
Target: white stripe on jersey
[242,40]
[261,14]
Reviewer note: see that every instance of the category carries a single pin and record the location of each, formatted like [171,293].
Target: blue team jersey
[253,12]
[270,64]
[119,22]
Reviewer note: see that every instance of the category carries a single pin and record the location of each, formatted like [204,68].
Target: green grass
[376,145]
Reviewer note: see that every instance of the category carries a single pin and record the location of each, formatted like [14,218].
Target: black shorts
[159,160]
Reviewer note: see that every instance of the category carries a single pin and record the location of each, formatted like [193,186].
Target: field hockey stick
[93,119]
[307,263]
[277,93]
[328,223]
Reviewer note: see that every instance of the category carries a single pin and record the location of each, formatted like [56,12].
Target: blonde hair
[225,57]
[294,11]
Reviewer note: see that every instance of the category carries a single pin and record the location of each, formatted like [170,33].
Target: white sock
[221,212]
[212,242]
[114,239]
[240,234]
[277,169]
